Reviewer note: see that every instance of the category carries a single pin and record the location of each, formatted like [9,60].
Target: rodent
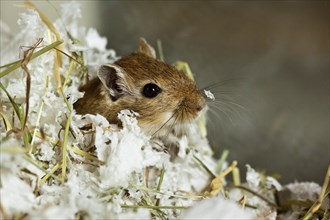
[165,99]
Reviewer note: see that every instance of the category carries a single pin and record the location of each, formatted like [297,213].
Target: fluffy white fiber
[125,171]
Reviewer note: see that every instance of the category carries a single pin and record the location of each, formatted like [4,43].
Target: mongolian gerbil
[165,99]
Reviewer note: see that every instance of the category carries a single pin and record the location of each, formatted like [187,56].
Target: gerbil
[165,99]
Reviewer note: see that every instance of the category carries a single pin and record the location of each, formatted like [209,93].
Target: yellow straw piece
[58,60]
[43,179]
[6,121]
[216,183]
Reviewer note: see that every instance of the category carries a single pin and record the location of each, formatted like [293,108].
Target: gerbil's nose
[199,108]
[200,103]
[195,102]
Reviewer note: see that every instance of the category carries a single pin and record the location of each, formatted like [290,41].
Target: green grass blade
[222,160]
[9,64]
[18,63]
[6,121]
[205,167]
[16,107]
[160,50]
[162,172]
[154,207]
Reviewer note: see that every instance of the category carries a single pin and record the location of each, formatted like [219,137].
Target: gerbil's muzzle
[194,102]
[200,102]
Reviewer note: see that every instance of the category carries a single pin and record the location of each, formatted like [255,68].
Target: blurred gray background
[273,57]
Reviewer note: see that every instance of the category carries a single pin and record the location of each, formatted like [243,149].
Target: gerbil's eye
[151,90]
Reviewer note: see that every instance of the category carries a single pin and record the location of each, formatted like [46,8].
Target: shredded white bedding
[109,173]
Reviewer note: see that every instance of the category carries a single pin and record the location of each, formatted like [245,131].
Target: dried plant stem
[258,195]
[57,74]
[325,186]
[216,184]
[68,55]
[228,170]
[222,160]
[35,163]
[195,197]
[49,174]
[18,63]
[65,138]
[147,176]
[26,60]
[39,116]
[13,150]
[325,191]
[162,172]
[154,207]
[20,114]
[326,215]
[6,122]
[205,167]
[160,50]
[9,64]
[49,24]
[184,68]
[68,75]
[84,153]
[68,122]
[74,149]
[242,201]
[15,106]
[58,60]
[236,177]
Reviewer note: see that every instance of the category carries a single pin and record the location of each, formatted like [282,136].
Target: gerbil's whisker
[172,125]
[175,111]
[222,92]
[215,113]
[223,105]
[238,105]
[217,84]
[222,110]
[230,103]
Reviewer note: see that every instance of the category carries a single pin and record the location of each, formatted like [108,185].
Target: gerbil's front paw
[158,145]
[169,146]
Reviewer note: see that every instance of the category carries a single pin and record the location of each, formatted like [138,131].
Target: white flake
[270,181]
[209,94]
[252,177]
[95,41]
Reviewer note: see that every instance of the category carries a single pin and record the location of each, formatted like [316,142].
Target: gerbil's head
[164,98]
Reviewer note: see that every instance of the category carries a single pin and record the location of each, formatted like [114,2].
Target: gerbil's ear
[146,49]
[112,77]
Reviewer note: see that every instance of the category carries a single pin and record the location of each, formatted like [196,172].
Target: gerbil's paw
[158,146]
[170,146]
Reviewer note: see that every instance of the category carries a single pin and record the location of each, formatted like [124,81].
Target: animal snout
[195,102]
[200,103]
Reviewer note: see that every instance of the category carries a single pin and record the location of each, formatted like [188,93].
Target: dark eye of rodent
[151,90]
